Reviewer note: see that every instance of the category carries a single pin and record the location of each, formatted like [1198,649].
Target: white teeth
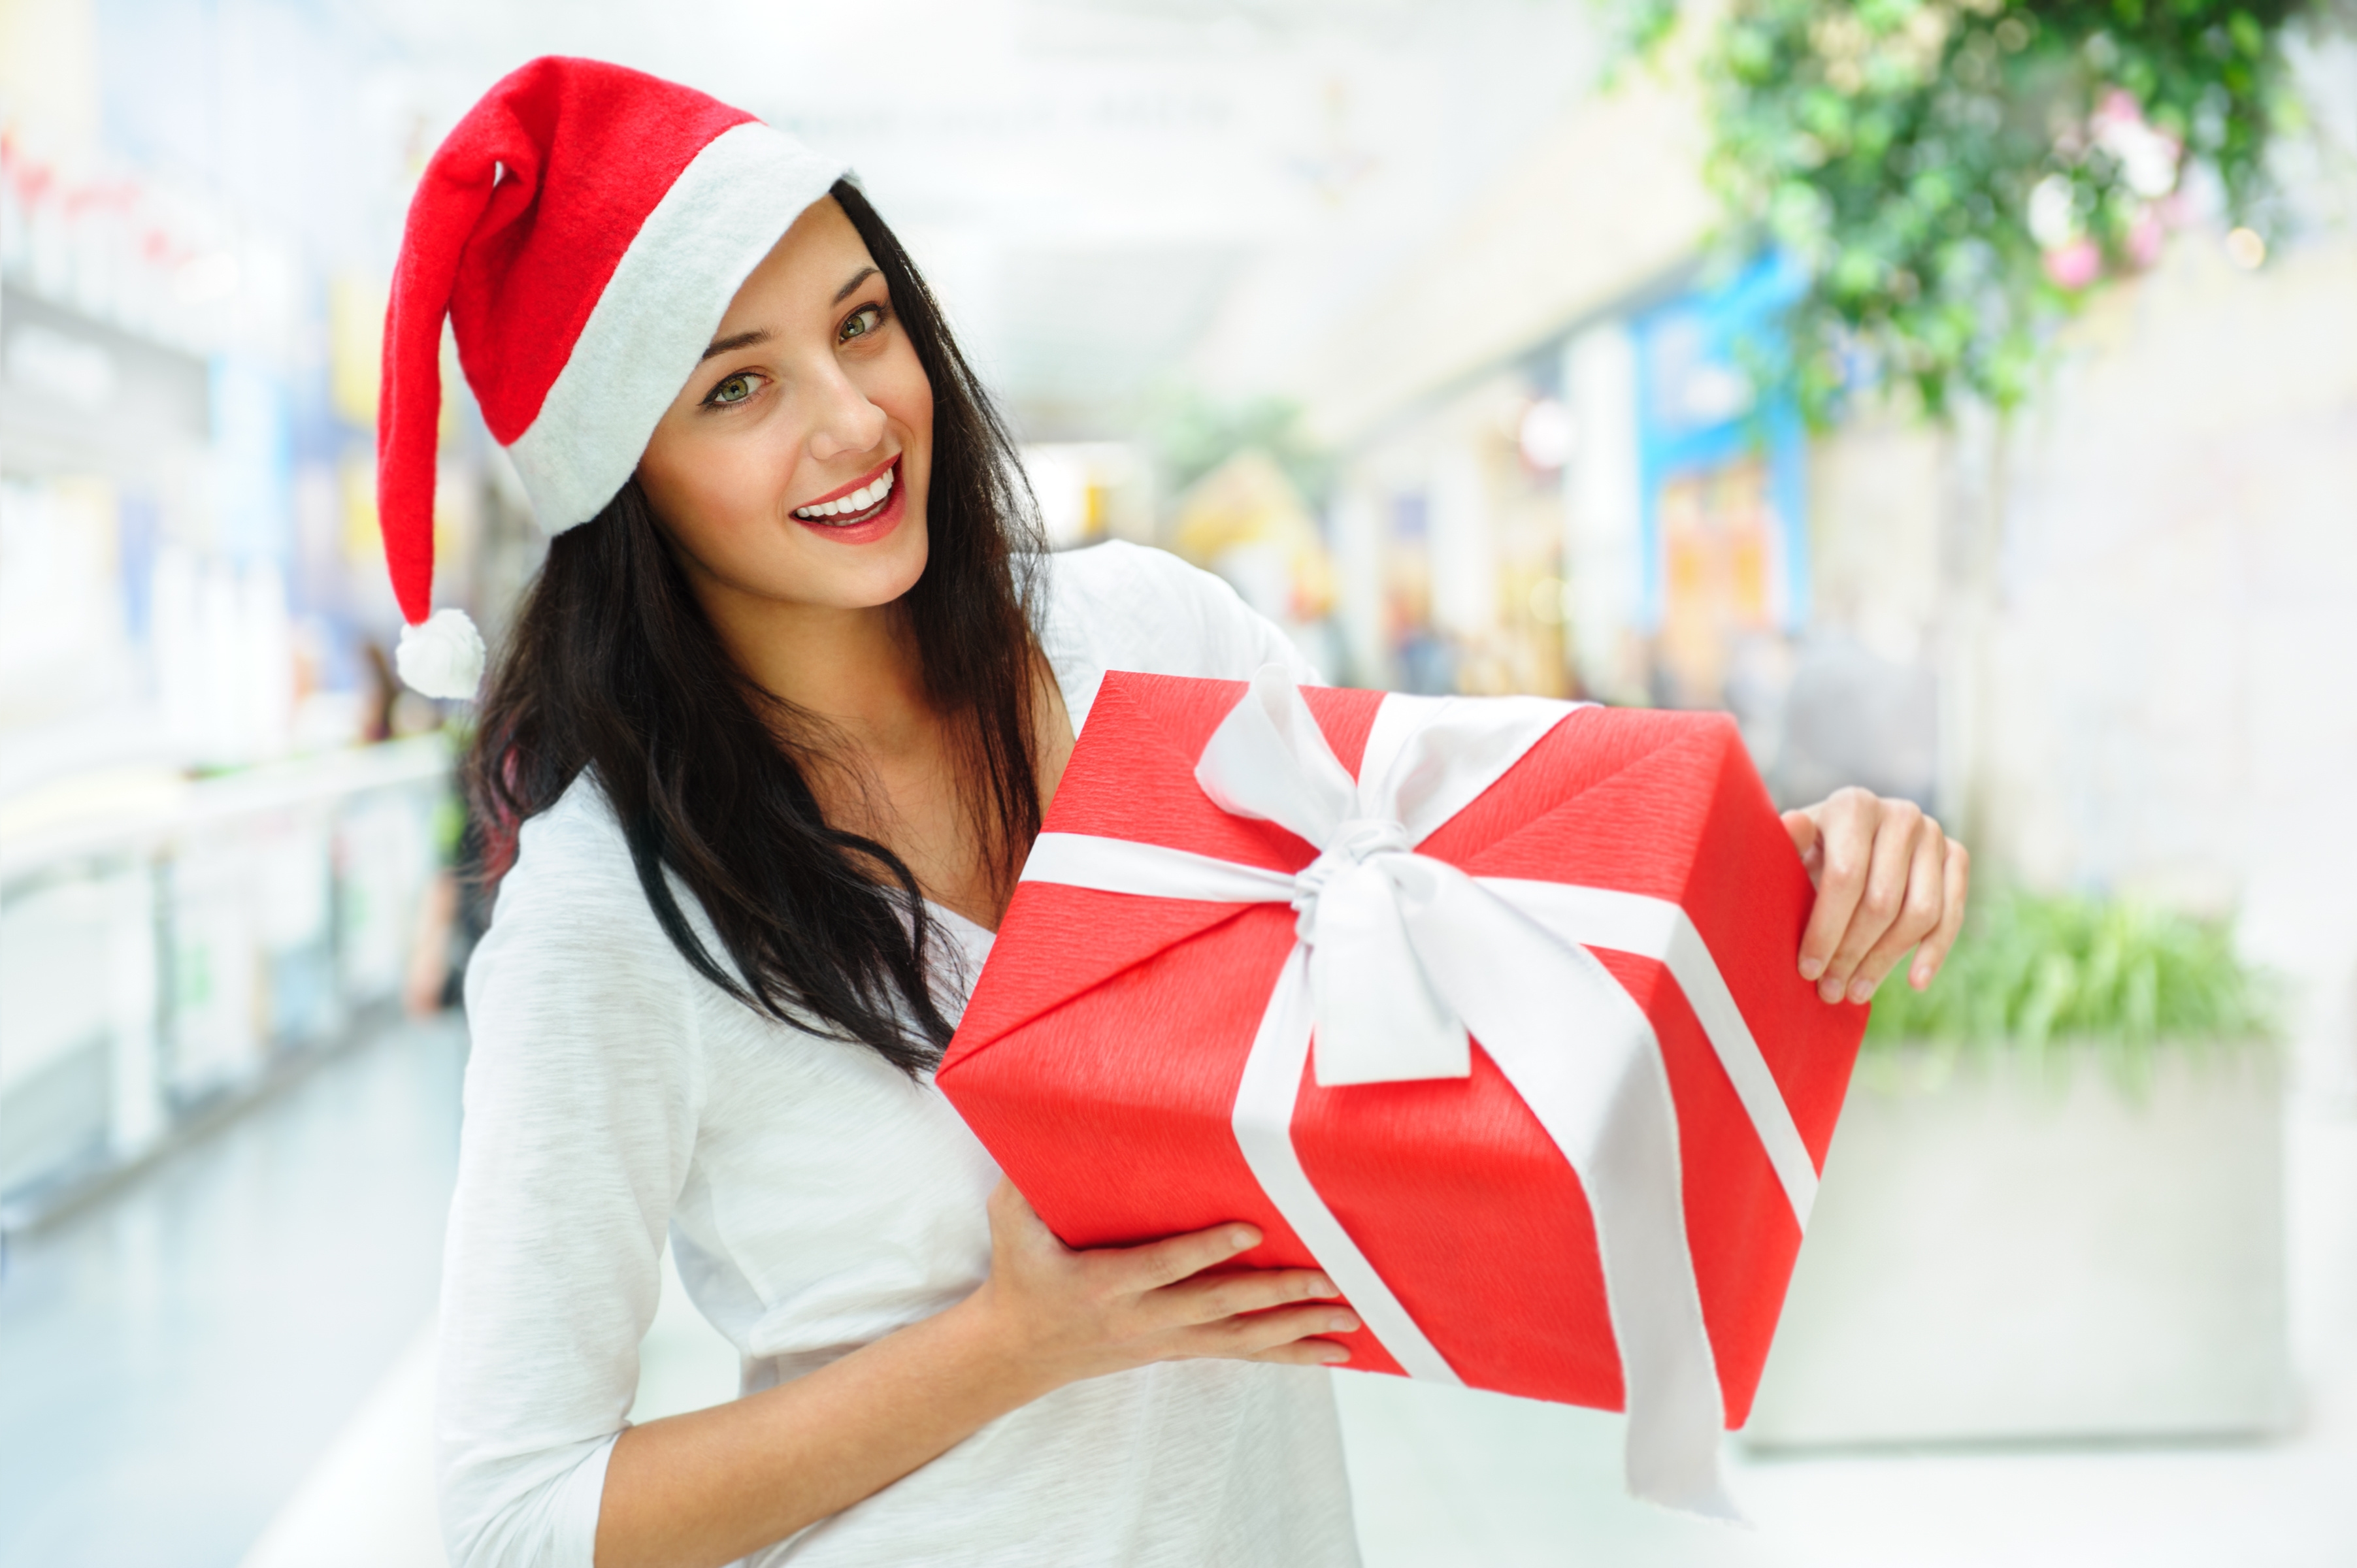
[857,501]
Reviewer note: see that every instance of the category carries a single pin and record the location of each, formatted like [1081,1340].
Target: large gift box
[1488,1007]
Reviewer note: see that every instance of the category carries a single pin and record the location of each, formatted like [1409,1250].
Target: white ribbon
[1402,956]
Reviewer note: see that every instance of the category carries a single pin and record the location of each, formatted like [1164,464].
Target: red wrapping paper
[1099,1055]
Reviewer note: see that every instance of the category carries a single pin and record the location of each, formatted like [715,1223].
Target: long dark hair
[610,666]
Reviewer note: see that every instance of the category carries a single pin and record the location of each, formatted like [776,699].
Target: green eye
[862,321]
[736,389]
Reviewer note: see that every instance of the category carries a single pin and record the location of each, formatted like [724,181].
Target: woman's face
[791,468]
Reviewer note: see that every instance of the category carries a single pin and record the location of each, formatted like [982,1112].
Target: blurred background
[1960,392]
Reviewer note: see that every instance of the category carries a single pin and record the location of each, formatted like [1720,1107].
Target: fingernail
[1342,1322]
[1335,1357]
[1243,1236]
[1829,990]
[1811,968]
[1861,991]
[1320,1285]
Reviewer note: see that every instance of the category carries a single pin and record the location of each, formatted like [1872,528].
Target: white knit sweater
[817,1199]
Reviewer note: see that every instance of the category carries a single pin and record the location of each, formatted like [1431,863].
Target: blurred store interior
[1418,323]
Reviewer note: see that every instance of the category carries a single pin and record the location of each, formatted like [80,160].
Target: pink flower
[2148,158]
[2145,237]
[2119,107]
[2075,265]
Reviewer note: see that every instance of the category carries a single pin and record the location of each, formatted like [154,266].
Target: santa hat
[584,229]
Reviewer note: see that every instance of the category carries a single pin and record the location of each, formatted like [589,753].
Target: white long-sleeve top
[817,1200]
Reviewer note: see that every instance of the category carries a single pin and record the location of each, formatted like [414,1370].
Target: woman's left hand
[1888,879]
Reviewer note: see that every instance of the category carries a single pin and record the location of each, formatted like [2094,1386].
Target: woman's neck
[857,671]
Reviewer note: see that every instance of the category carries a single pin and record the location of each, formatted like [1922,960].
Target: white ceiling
[1113,196]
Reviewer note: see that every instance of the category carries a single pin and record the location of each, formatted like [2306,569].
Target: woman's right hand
[1067,1315]
[716,1485]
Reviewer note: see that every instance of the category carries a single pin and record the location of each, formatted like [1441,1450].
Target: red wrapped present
[1488,1007]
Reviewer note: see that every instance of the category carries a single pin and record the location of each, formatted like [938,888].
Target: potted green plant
[2054,1205]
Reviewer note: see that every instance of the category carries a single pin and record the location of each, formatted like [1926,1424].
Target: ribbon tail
[1659,929]
[1378,1020]
[1262,1122]
[1676,1406]
[1583,1057]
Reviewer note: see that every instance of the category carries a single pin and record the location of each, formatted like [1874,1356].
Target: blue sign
[1699,413]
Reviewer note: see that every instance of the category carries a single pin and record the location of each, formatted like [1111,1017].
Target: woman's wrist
[999,1360]
[715,1484]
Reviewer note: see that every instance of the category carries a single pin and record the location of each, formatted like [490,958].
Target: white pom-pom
[443,658]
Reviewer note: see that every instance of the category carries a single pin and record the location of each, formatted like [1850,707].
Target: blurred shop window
[1090,490]
[78,1010]
[1423,661]
[1450,540]
[1723,535]
[64,621]
[1246,521]
[356,306]
[168,946]
[1546,435]
[204,883]
[1720,539]
[1602,516]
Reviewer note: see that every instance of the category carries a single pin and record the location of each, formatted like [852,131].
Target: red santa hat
[584,229]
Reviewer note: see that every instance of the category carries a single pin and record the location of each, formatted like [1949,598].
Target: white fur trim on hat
[443,658]
[649,326]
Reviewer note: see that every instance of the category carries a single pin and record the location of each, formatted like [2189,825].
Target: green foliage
[1192,434]
[1899,148]
[2031,971]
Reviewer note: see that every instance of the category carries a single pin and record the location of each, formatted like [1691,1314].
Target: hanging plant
[1957,176]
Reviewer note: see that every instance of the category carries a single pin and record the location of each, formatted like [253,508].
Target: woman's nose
[845,420]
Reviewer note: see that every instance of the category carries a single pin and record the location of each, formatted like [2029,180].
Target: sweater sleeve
[583,1094]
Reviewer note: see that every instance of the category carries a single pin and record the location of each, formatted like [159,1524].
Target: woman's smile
[853,498]
[861,512]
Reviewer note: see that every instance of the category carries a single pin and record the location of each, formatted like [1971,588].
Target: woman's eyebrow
[861,276]
[735,341]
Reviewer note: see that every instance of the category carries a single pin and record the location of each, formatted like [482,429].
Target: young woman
[763,755]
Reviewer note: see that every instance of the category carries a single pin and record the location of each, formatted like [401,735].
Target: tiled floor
[173,1360]
[181,1384]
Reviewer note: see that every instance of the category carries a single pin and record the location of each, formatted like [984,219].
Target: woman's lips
[865,527]
[836,497]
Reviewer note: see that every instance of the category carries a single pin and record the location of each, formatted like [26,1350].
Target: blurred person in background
[757,768]
[452,916]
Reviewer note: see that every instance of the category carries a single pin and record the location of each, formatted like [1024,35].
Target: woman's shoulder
[1118,606]
[573,895]
[1122,577]
[574,972]
[573,852]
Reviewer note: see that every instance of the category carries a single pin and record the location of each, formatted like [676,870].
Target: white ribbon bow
[1401,956]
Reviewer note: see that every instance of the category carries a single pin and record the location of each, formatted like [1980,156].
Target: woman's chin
[869,577]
